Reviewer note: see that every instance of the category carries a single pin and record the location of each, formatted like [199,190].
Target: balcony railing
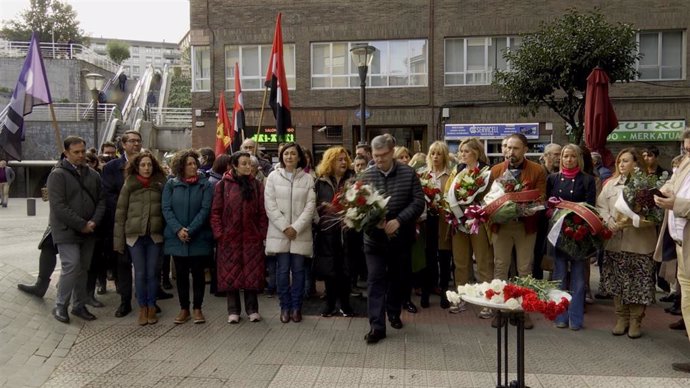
[59,51]
[171,117]
[71,112]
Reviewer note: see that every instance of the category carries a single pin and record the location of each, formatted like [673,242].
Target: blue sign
[358,114]
[490,131]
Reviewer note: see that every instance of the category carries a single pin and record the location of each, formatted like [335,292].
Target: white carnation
[453,297]
[497,299]
[512,304]
[351,194]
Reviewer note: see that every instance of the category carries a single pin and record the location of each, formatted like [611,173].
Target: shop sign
[490,131]
[270,135]
[646,131]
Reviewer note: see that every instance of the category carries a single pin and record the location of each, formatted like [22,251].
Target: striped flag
[237,111]
[223,127]
[31,90]
[275,78]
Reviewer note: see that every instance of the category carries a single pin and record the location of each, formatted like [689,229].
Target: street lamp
[94,82]
[362,55]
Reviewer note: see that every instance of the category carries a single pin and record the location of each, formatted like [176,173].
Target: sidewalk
[433,349]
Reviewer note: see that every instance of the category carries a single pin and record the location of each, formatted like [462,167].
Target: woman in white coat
[290,202]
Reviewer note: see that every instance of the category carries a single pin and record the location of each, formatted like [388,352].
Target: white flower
[381,202]
[453,297]
[351,214]
[351,194]
[513,303]
[497,299]
[497,285]
[468,289]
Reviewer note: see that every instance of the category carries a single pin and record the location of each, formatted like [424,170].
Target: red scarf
[570,173]
[146,182]
[191,180]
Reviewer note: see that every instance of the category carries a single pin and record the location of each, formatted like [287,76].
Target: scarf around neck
[570,173]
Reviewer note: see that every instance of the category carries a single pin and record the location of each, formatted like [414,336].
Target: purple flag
[31,90]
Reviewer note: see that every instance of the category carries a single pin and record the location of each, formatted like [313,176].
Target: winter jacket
[239,227]
[329,251]
[188,206]
[73,204]
[112,179]
[138,211]
[406,203]
[289,202]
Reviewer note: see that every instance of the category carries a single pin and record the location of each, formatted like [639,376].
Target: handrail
[59,51]
[71,112]
[172,117]
[134,98]
[109,83]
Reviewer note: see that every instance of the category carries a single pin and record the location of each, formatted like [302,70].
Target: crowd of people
[253,227]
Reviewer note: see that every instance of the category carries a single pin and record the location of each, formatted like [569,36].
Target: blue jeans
[576,310]
[145,255]
[290,295]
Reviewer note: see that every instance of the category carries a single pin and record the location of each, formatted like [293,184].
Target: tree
[180,91]
[117,51]
[47,18]
[551,66]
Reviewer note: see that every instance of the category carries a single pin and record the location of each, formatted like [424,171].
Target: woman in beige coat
[628,268]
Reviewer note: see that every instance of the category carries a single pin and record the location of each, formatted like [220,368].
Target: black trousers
[437,271]
[98,267]
[184,265]
[338,288]
[385,287]
[124,277]
[47,260]
[251,302]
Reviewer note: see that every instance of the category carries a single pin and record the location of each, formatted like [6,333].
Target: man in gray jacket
[6,179]
[388,247]
[76,207]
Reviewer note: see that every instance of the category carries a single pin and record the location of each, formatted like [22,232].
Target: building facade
[142,54]
[431,72]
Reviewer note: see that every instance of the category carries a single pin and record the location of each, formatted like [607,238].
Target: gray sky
[149,20]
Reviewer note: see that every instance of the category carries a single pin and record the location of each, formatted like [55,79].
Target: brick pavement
[433,349]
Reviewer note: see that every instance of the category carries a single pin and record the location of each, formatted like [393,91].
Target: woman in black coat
[330,262]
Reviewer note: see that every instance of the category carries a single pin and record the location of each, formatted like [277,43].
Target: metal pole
[95,118]
[363,103]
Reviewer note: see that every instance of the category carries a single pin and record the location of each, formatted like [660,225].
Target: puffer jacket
[289,202]
[138,211]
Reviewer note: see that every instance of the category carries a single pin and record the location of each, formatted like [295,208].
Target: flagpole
[261,115]
[58,135]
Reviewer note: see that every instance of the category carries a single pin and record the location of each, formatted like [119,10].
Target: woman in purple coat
[239,224]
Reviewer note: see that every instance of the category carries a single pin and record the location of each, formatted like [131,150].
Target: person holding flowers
[290,200]
[518,233]
[464,244]
[330,262]
[571,184]
[392,238]
[437,252]
[628,268]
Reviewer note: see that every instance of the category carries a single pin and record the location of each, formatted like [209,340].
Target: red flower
[577,220]
[361,201]
[568,231]
[479,181]
[490,293]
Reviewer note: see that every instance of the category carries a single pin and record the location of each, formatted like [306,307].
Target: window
[472,61]
[662,55]
[201,68]
[134,50]
[396,63]
[253,61]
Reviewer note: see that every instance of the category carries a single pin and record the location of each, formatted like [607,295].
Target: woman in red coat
[239,224]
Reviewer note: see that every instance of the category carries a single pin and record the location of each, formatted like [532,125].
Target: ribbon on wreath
[518,197]
[590,217]
[476,216]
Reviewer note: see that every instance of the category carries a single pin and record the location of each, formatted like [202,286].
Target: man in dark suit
[113,178]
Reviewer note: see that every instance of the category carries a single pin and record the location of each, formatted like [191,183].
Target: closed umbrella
[600,119]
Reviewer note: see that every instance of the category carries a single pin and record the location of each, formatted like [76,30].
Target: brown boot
[198,316]
[182,317]
[151,316]
[623,314]
[636,315]
[142,316]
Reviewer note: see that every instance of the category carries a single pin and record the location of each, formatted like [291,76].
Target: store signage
[645,131]
[270,135]
[490,131]
[358,114]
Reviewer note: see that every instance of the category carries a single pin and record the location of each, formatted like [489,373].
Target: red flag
[223,127]
[237,109]
[275,78]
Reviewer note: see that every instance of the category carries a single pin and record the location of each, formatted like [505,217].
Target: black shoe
[681,367]
[124,309]
[162,295]
[83,313]
[39,289]
[678,325]
[396,323]
[424,302]
[410,307]
[60,313]
[101,290]
[602,296]
[166,284]
[674,310]
[668,298]
[328,311]
[93,302]
[374,336]
[444,302]
[348,312]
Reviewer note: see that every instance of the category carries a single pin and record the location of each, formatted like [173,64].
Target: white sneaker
[233,318]
[486,313]
[254,317]
[458,308]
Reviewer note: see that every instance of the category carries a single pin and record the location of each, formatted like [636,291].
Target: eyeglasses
[134,141]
